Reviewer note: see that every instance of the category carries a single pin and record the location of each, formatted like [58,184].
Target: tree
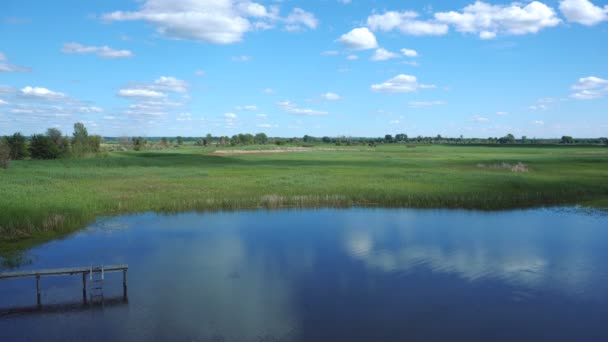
[179,140]
[524,139]
[326,139]
[260,138]
[94,143]
[79,140]
[17,146]
[307,138]
[567,140]
[139,143]
[5,154]
[43,147]
[401,137]
[388,138]
[63,143]
[507,139]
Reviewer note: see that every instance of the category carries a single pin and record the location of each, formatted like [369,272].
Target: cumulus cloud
[480,119]
[5,67]
[268,91]
[407,23]
[383,55]
[299,19]
[199,73]
[101,51]
[241,58]
[409,53]
[172,84]
[423,104]
[538,123]
[141,93]
[293,108]
[247,107]
[40,93]
[488,20]
[358,39]
[400,84]
[589,88]
[212,21]
[583,12]
[538,107]
[352,57]
[230,116]
[331,96]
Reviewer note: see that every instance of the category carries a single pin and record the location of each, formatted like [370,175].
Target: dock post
[84,287]
[124,285]
[38,289]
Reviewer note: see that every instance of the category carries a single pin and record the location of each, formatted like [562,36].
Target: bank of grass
[40,200]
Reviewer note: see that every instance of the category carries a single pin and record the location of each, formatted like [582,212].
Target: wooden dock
[85,271]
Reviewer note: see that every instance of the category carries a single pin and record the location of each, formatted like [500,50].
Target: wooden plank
[62,271]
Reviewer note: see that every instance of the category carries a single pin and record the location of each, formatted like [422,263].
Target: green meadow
[41,200]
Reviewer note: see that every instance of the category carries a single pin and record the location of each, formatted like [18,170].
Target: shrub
[43,147]
[5,154]
[17,146]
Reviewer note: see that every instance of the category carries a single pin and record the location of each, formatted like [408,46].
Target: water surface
[326,275]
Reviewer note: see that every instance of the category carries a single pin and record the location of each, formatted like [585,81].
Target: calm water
[327,275]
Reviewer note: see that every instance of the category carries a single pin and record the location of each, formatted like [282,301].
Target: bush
[43,147]
[17,146]
[5,154]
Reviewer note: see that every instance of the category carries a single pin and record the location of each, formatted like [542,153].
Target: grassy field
[40,200]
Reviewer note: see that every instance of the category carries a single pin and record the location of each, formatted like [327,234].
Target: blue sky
[294,67]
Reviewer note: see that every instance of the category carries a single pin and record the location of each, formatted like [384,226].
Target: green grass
[40,200]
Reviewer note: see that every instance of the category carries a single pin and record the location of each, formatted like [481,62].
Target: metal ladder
[96,285]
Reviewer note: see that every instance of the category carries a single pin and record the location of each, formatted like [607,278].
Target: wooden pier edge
[70,271]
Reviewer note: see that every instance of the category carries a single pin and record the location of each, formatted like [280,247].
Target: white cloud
[293,108]
[480,119]
[352,57]
[261,116]
[3,103]
[538,107]
[502,113]
[400,84]
[345,1]
[101,51]
[394,122]
[212,21]
[488,20]
[406,23]
[109,117]
[538,123]
[422,104]
[589,88]
[168,83]
[247,107]
[199,73]
[141,93]
[268,91]
[230,116]
[409,53]
[241,58]
[5,67]
[358,39]
[331,96]
[299,18]
[90,109]
[330,53]
[383,55]
[583,12]
[41,93]
[264,125]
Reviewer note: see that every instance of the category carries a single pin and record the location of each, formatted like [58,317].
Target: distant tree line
[50,145]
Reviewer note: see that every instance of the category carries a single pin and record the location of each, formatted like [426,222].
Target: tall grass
[44,199]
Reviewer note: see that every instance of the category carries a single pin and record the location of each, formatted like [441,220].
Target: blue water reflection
[329,275]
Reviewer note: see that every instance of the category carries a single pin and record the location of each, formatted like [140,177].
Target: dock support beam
[38,290]
[124,285]
[84,288]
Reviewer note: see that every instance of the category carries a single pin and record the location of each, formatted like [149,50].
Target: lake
[325,275]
